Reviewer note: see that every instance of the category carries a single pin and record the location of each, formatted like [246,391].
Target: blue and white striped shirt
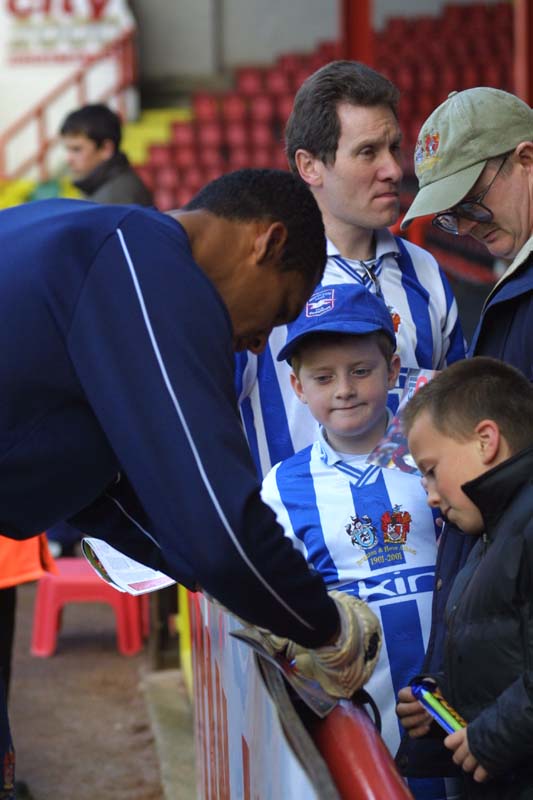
[369,532]
[428,333]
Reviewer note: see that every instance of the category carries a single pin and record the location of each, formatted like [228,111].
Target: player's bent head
[472,390]
[314,123]
[271,195]
[96,121]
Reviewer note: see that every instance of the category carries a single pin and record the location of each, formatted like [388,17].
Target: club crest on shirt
[361,532]
[395,525]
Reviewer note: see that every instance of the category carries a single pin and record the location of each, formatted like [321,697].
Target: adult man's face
[361,187]
[83,155]
[510,200]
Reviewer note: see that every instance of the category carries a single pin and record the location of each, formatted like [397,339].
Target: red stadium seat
[238,158]
[193,178]
[160,155]
[210,134]
[284,105]
[210,158]
[164,199]
[278,81]
[182,133]
[210,173]
[146,174]
[262,157]
[167,178]
[261,135]
[236,134]
[185,156]
[299,77]
[181,197]
[205,107]
[233,107]
[291,62]
[249,80]
[279,158]
[262,108]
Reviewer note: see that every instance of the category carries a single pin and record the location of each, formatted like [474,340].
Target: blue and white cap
[342,308]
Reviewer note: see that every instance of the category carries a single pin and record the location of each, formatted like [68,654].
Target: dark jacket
[427,757]
[489,643]
[118,411]
[504,329]
[115,181]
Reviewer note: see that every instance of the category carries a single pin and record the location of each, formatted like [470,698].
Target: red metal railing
[123,51]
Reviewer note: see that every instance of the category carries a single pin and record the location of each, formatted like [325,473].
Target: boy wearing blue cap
[367,530]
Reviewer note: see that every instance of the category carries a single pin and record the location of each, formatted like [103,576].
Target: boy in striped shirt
[367,530]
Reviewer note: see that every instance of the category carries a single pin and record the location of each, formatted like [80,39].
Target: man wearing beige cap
[474,163]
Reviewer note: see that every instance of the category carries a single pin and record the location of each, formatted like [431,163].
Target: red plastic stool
[77,582]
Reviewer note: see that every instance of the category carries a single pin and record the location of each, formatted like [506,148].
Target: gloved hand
[343,667]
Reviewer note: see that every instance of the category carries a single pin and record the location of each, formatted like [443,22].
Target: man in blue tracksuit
[117,408]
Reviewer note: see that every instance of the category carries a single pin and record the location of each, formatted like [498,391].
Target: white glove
[341,668]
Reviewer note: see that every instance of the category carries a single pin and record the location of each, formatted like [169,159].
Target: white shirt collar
[385,245]
[330,456]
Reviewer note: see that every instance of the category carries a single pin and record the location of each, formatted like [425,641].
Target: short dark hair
[383,342]
[276,196]
[474,389]
[97,122]
[314,123]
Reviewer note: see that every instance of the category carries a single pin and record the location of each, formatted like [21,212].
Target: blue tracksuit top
[118,410]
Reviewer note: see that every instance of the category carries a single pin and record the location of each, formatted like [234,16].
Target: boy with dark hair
[470,430]
[366,530]
[91,136]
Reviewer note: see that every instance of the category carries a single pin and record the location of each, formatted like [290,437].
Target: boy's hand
[458,742]
[412,714]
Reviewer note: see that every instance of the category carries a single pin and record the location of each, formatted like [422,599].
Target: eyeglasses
[472,209]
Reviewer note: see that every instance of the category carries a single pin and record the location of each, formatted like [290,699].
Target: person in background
[470,430]
[91,136]
[343,141]
[367,530]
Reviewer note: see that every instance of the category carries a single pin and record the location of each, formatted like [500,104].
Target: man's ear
[524,154]
[270,243]
[297,387]
[308,167]
[493,448]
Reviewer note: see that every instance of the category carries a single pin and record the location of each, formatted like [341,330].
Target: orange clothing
[23,561]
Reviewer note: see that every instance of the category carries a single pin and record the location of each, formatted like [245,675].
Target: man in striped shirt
[343,140]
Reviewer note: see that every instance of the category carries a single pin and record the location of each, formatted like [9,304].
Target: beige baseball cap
[456,141]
